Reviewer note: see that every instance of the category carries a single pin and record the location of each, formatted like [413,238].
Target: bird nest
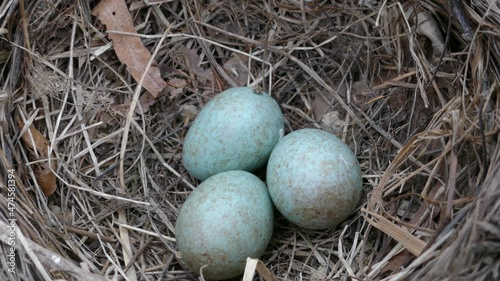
[92,176]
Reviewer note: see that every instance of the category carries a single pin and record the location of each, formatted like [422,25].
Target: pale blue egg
[226,219]
[314,179]
[236,130]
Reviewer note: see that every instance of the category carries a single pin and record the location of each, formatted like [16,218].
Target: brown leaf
[45,178]
[428,26]
[236,68]
[129,49]
[319,274]
[145,102]
[176,86]
[332,123]
[34,140]
[38,147]
[397,262]
[194,60]
[322,104]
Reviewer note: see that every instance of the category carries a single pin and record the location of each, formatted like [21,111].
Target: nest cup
[91,141]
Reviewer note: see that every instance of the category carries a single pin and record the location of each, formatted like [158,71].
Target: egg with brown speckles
[314,179]
[236,130]
[226,219]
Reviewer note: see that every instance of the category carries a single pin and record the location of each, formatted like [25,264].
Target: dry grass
[424,126]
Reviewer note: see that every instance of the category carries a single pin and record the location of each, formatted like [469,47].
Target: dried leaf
[176,86]
[321,104]
[319,274]
[34,140]
[45,178]
[236,68]
[129,49]
[146,101]
[397,262]
[188,111]
[38,147]
[428,26]
[194,60]
[332,123]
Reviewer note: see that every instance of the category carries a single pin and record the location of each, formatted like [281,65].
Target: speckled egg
[236,130]
[314,179]
[226,219]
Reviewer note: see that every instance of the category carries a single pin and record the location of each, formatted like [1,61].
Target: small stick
[88,234]
[138,253]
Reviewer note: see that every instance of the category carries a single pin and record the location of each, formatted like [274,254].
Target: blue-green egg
[236,130]
[314,179]
[226,219]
